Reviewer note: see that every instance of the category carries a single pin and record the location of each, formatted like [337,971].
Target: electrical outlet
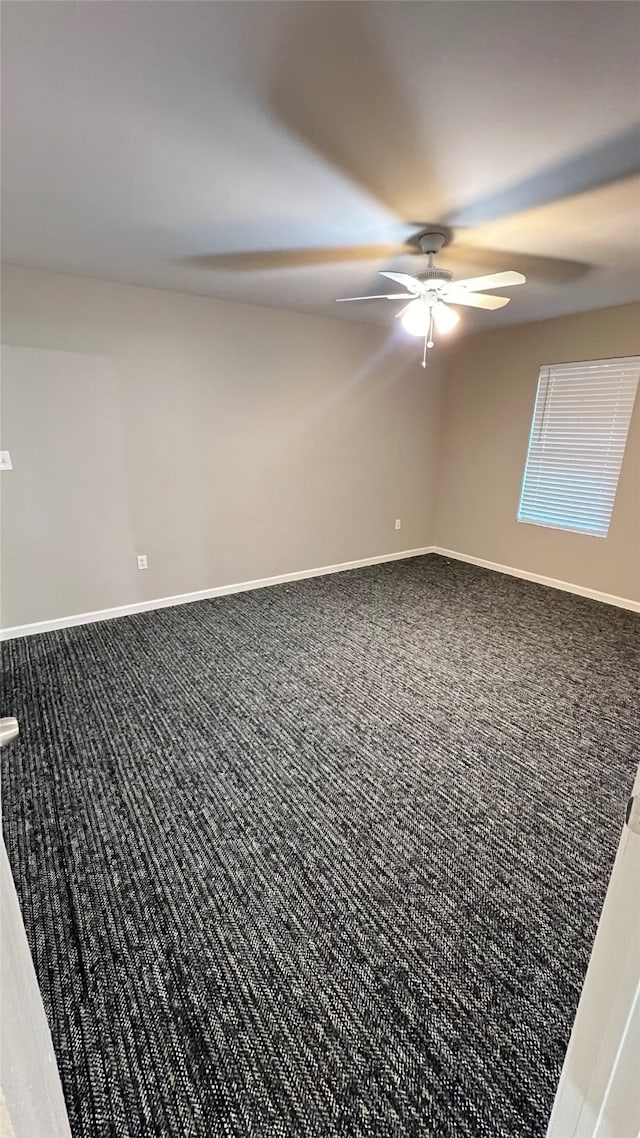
[398,523]
[142,561]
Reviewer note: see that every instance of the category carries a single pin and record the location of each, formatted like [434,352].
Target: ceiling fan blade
[333,86]
[553,269]
[602,164]
[266,259]
[454,295]
[493,280]
[382,296]
[409,282]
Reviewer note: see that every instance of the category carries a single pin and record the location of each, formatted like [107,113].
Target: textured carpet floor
[324,859]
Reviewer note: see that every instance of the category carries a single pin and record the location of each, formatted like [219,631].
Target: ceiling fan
[430,292]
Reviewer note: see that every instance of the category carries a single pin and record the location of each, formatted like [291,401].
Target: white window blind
[578,435]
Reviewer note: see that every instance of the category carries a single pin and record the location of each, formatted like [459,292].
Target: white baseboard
[201,595]
[564,586]
[303,574]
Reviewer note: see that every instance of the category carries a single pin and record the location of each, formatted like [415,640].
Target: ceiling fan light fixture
[444,317]
[427,291]
[437,282]
[415,319]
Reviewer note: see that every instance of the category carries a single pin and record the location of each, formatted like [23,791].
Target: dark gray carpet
[324,859]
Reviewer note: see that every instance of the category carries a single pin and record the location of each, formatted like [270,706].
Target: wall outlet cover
[142,561]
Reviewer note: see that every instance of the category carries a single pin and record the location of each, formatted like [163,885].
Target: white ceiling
[142,139]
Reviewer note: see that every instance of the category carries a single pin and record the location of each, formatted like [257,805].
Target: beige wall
[231,443]
[226,442]
[490,387]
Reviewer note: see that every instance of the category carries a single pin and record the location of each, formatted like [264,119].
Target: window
[578,435]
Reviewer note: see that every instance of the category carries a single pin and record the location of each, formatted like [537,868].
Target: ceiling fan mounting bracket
[433,240]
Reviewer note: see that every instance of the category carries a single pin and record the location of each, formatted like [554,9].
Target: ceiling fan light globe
[415,320]
[444,317]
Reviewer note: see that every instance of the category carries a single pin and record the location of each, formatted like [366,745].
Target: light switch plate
[5,460]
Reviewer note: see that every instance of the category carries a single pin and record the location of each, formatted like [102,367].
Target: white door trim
[598,1094]
[30,1091]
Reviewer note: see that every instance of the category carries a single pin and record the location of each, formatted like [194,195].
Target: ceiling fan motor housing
[441,276]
